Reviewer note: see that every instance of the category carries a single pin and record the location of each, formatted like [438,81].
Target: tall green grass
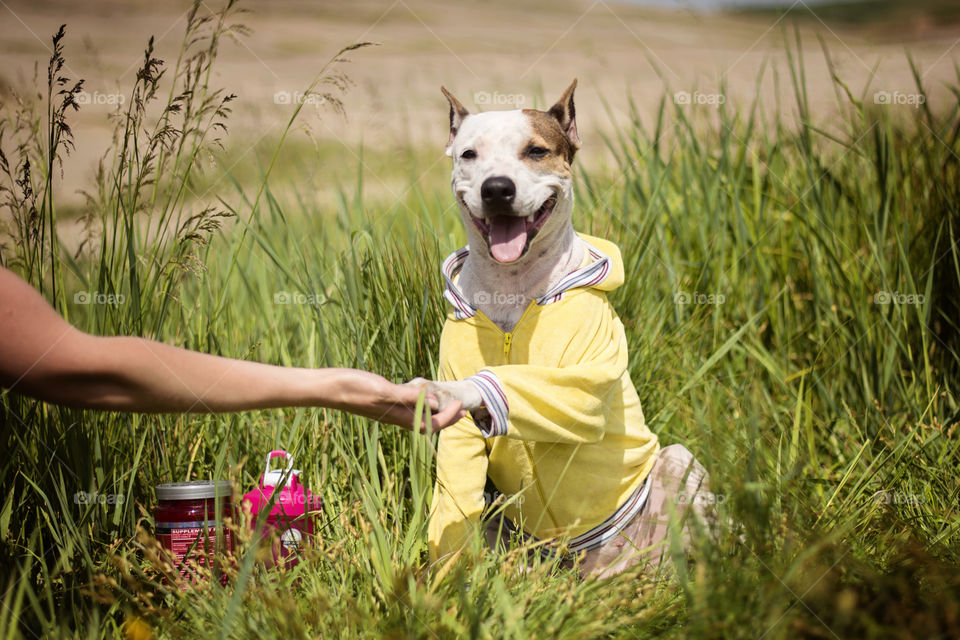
[827,419]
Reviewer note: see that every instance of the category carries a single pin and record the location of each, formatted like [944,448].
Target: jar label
[191,539]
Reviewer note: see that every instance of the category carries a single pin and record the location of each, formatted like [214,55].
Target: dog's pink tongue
[508,237]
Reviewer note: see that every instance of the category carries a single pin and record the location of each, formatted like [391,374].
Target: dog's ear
[566,114]
[457,113]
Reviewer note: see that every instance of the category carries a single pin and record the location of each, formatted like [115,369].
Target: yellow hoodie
[566,440]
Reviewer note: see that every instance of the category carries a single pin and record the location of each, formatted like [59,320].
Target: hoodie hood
[603,270]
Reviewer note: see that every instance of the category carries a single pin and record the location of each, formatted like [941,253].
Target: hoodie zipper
[508,335]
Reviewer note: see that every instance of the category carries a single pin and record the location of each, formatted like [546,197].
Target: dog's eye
[537,152]
[469,154]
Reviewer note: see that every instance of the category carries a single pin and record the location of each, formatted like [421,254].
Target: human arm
[43,356]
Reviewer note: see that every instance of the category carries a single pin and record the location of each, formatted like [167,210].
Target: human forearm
[44,357]
[133,374]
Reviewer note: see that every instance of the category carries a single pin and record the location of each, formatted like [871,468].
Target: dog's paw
[446,392]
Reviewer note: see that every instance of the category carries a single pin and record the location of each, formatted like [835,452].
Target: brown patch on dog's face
[548,136]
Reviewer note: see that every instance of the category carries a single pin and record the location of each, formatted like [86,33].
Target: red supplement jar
[187,520]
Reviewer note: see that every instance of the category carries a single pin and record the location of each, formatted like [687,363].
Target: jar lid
[193,490]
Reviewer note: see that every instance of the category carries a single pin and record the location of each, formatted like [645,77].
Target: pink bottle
[293,511]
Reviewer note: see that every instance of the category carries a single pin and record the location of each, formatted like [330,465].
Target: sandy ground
[493,54]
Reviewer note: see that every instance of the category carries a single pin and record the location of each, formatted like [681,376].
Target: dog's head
[512,174]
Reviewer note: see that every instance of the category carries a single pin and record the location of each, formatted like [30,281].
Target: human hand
[464,392]
[375,397]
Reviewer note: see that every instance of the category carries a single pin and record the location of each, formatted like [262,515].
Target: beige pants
[679,487]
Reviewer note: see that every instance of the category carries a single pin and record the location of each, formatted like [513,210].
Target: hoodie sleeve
[569,403]
[461,478]
[458,494]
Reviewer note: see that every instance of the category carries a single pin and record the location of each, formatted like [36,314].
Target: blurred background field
[791,300]
[492,55]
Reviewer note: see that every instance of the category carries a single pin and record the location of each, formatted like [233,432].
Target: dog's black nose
[498,190]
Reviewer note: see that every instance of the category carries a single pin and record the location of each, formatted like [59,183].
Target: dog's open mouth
[508,237]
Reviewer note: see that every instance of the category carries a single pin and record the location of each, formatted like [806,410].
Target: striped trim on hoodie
[495,401]
[603,532]
[451,266]
[615,523]
[588,276]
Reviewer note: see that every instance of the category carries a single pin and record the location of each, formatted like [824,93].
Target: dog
[531,347]
[517,193]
